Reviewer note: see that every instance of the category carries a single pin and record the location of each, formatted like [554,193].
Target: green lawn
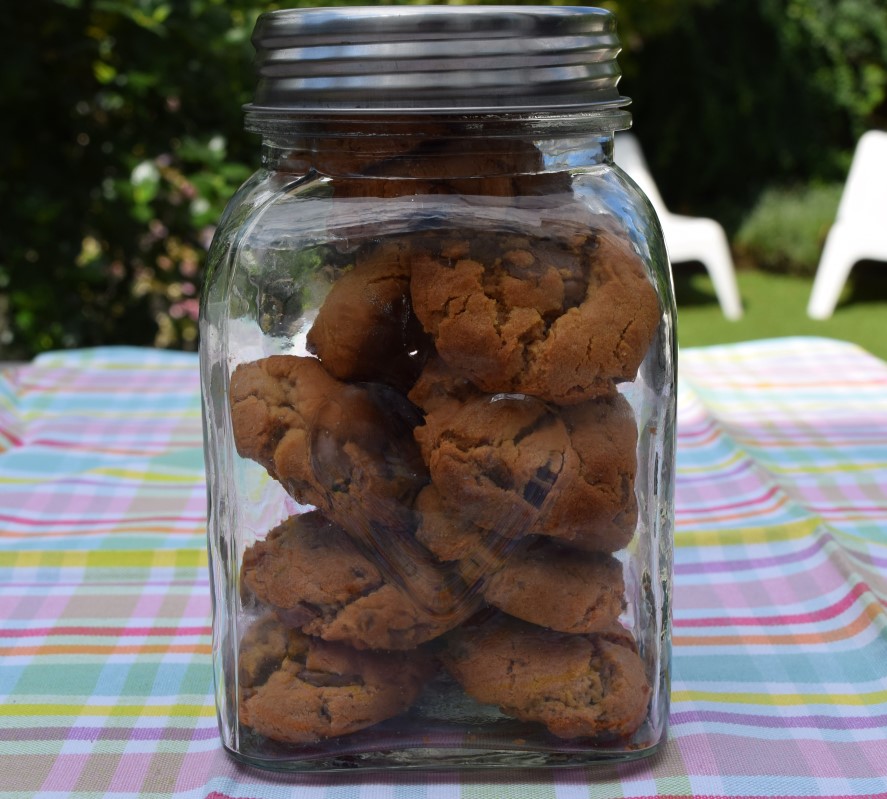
[775,305]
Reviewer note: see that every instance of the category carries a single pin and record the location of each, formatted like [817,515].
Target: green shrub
[785,230]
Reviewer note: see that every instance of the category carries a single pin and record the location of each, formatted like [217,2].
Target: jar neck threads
[436,59]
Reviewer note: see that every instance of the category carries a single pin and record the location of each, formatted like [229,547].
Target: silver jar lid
[436,59]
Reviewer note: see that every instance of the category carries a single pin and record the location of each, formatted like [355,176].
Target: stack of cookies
[472,464]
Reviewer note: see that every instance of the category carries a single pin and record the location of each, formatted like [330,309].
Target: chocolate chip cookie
[556,318]
[318,580]
[347,449]
[513,466]
[535,579]
[366,330]
[469,168]
[588,686]
[439,384]
[554,586]
[297,689]
[439,165]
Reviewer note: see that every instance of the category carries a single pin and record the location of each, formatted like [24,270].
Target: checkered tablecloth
[780,657]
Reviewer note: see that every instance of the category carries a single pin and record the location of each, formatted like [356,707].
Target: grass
[775,305]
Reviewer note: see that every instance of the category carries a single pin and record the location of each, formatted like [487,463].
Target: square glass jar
[438,371]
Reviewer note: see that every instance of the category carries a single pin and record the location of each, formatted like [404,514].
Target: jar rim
[436,60]
[286,127]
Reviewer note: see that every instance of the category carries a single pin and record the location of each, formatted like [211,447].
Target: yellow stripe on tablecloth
[185,477]
[106,711]
[712,468]
[192,478]
[790,531]
[192,558]
[827,468]
[759,698]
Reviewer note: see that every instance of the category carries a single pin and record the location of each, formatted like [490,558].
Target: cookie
[297,689]
[346,449]
[470,167]
[439,384]
[331,151]
[513,466]
[447,535]
[556,318]
[351,218]
[366,330]
[316,579]
[555,586]
[535,579]
[597,510]
[588,686]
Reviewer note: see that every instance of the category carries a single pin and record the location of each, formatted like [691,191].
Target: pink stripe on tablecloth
[717,754]
[76,522]
[65,773]
[87,446]
[132,772]
[778,589]
[823,614]
[11,437]
[761,499]
[740,563]
[845,721]
[715,475]
[115,632]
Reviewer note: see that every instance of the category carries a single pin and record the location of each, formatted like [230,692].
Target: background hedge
[121,140]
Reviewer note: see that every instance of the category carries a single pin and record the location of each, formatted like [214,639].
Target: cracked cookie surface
[513,466]
[555,318]
[576,685]
[297,689]
[347,449]
[316,579]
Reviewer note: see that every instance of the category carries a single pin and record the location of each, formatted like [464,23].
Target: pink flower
[186,308]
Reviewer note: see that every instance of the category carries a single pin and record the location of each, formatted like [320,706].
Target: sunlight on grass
[775,305]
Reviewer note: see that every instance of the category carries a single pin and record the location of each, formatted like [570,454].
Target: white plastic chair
[687,238]
[860,228]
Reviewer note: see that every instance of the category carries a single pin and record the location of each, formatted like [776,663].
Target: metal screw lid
[436,59]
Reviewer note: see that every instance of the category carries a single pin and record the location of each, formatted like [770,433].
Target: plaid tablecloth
[780,658]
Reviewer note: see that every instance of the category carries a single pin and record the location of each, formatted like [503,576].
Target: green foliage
[845,43]
[120,148]
[737,97]
[786,229]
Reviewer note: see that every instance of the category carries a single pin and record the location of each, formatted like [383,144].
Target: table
[780,629]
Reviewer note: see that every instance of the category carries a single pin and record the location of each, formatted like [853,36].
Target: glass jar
[438,369]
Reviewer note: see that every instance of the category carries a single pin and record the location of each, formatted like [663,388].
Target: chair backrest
[628,155]
[865,192]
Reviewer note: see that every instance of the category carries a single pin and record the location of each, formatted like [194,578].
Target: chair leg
[723,276]
[838,257]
